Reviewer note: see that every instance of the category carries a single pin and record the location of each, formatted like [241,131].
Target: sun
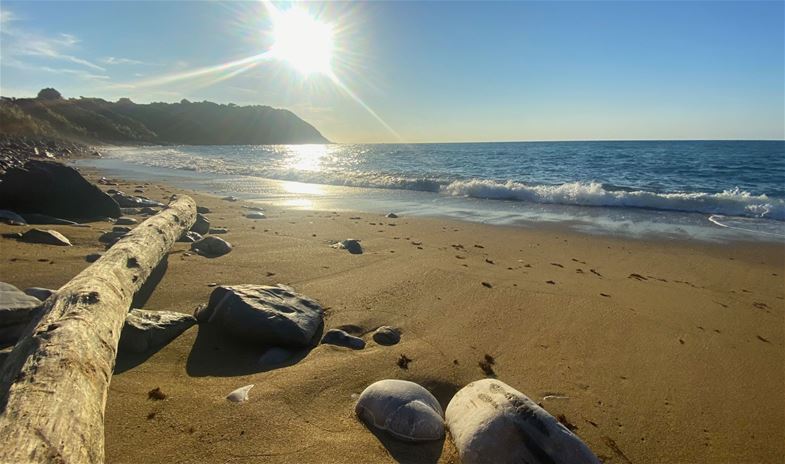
[302,41]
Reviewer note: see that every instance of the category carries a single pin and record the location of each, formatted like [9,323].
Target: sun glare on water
[302,41]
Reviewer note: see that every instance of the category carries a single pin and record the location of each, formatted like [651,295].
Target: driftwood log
[53,386]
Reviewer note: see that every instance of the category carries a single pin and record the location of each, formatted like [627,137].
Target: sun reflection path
[306,157]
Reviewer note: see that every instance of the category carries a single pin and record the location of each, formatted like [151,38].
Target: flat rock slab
[39,292]
[130,201]
[403,409]
[125,221]
[351,245]
[218,230]
[491,422]
[340,338]
[212,247]
[17,309]
[386,335]
[46,237]
[256,215]
[10,217]
[263,315]
[54,189]
[144,329]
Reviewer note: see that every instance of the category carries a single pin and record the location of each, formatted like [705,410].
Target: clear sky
[469,71]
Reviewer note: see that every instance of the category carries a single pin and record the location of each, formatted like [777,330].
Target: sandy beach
[656,351]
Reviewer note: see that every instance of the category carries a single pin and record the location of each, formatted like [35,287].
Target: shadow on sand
[218,354]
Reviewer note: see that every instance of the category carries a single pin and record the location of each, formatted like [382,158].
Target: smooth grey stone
[202,209]
[131,211]
[218,230]
[10,217]
[46,237]
[491,422]
[92,257]
[202,225]
[148,211]
[256,215]
[341,338]
[391,215]
[121,229]
[229,198]
[212,247]
[17,310]
[351,245]
[39,292]
[125,221]
[190,237]
[145,329]
[404,409]
[263,315]
[386,335]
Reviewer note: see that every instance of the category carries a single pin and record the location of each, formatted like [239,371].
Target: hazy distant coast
[96,120]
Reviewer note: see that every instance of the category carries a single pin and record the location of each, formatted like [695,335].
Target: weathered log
[53,386]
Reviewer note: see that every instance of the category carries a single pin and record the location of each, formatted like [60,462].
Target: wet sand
[657,351]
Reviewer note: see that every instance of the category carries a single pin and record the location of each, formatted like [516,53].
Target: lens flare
[302,41]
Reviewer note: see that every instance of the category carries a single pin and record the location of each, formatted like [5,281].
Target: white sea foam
[730,202]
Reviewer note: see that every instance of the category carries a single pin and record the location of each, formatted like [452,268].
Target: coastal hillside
[123,121]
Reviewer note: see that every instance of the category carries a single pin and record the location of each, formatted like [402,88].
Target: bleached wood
[53,386]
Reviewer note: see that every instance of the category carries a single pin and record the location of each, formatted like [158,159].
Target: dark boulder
[263,315]
[53,189]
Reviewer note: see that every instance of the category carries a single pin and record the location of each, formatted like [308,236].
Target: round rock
[201,225]
[491,422]
[386,335]
[341,338]
[404,409]
[351,245]
[212,247]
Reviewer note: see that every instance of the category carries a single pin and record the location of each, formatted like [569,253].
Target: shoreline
[600,220]
[681,363]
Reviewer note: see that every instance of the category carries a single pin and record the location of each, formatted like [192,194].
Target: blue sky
[469,71]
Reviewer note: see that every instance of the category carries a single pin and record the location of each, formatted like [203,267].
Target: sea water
[711,190]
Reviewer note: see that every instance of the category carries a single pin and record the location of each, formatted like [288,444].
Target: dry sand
[657,351]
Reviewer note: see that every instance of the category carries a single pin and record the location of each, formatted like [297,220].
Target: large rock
[404,409]
[491,422]
[53,189]
[17,309]
[202,225]
[46,237]
[212,247]
[145,329]
[263,314]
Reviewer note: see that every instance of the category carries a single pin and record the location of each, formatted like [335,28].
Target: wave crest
[733,202]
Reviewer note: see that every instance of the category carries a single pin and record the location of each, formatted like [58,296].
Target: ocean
[709,190]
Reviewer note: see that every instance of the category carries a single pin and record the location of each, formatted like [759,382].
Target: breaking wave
[732,202]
